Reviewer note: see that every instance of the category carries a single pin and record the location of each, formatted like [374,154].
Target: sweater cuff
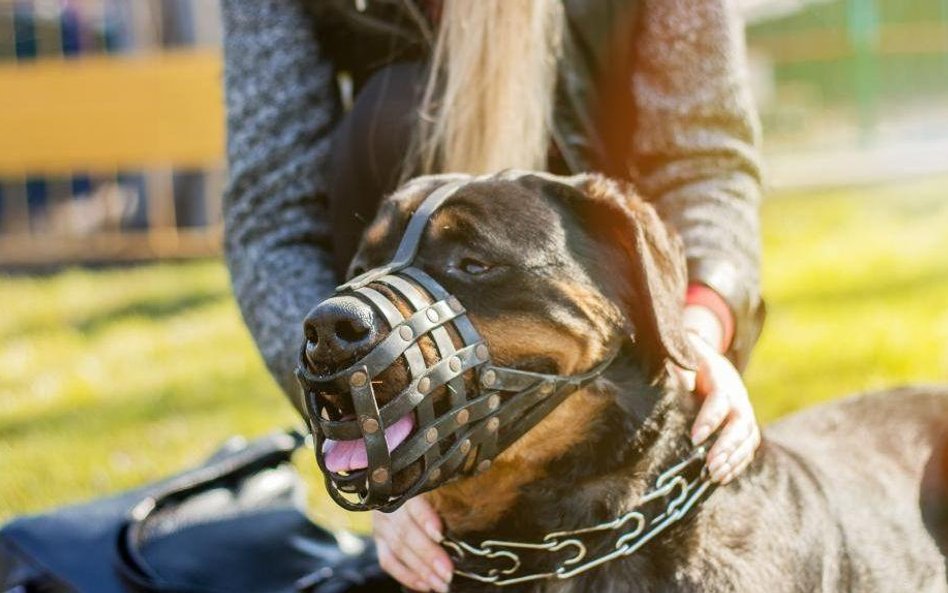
[704,296]
[743,302]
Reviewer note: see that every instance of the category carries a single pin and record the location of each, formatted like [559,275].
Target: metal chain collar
[626,533]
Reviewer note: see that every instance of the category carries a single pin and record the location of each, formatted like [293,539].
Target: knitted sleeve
[696,148]
[282,104]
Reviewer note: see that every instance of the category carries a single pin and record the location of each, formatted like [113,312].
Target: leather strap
[408,247]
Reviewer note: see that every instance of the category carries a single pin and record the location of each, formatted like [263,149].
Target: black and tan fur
[849,496]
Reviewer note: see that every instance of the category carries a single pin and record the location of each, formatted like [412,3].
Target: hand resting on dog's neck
[633,428]
[589,461]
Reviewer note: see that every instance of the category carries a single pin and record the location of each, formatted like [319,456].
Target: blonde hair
[488,102]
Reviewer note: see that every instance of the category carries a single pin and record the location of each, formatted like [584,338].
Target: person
[653,91]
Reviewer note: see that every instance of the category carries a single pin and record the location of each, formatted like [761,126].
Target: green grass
[856,283]
[112,378]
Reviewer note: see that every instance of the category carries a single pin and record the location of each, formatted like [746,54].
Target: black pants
[368,152]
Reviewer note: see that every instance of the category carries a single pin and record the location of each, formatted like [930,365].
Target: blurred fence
[112,123]
[113,128]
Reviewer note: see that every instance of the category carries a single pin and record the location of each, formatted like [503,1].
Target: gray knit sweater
[695,119]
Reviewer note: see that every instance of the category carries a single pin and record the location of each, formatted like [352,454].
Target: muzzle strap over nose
[411,239]
[466,409]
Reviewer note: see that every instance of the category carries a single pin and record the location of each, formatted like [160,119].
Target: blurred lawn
[111,378]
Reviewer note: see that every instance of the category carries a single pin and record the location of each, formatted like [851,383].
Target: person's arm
[282,103]
[695,152]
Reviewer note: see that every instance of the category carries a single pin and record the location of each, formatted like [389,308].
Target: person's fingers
[421,554]
[425,516]
[398,571]
[738,429]
[412,548]
[754,444]
[742,465]
[712,414]
[415,550]
[739,458]
[725,402]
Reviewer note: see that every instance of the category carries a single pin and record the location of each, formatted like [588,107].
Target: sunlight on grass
[111,378]
[856,284]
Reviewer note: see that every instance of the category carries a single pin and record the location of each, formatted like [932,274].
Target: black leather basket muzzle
[480,411]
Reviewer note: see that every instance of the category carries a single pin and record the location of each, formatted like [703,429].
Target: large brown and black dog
[554,272]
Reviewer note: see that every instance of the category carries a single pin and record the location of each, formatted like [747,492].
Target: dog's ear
[653,286]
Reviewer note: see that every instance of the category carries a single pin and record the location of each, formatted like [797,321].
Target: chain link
[631,531]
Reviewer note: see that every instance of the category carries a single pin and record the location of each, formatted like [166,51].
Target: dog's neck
[634,428]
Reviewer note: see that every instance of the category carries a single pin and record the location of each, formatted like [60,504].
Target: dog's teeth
[325,414]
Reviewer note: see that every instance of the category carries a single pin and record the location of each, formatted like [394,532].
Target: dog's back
[878,463]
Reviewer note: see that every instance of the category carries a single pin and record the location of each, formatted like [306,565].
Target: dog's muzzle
[483,408]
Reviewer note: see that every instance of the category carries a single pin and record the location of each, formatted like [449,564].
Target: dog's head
[552,272]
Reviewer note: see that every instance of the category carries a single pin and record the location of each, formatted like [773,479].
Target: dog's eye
[473,267]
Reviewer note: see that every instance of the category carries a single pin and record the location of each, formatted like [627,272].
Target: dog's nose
[338,330]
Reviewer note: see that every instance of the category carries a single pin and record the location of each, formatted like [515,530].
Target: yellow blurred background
[113,130]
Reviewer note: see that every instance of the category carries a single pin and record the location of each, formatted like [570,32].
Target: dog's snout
[338,330]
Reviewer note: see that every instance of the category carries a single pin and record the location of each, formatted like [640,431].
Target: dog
[554,272]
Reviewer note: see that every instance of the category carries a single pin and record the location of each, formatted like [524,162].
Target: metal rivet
[465,447]
[431,435]
[434,475]
[493,424]
[424,385]
[494,402]
[454,364]
[432,315]
[483,466]
[455,304]
[370,425]
[380,475]
[462,417]
[481,352]
[489,378]
[358,379]
[406,333]
[546,389]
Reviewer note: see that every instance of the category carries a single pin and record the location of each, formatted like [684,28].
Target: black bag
[232,525]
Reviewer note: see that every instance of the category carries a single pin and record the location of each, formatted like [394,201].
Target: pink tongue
[347,456]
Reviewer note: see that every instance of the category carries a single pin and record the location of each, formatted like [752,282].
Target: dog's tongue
[347,456]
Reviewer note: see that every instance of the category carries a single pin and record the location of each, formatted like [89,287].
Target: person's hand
[407,541]
[724,402]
